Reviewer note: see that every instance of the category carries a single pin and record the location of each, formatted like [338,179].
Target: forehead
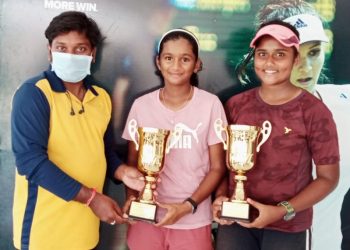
[310,45]
[71,38]
[270,43]
[177,45]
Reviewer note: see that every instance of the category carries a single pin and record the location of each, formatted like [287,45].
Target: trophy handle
[132,128]
[218,127]
[173,138]
[265,133]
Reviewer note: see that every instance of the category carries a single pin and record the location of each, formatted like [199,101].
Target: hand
[131,177]
[126,208]
[267,214]
[216,209]
[106,209]
[175,212]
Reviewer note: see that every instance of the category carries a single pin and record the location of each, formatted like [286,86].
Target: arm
[205,189]
[325,182]
[116,169]
[30,123]
[221,195]
[131,194]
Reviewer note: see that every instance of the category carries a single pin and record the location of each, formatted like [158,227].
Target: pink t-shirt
[188,162]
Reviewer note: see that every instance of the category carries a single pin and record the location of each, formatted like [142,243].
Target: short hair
[74,21]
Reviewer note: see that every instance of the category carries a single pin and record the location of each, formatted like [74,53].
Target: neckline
[185,105]
[295,99]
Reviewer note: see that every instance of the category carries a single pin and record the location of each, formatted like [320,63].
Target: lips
[270,71]
[304,81]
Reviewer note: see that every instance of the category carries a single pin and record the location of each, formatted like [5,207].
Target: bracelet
[193,204]
[93,194]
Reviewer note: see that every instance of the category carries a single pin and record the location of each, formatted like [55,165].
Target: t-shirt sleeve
[129,122]
[30,122]
[217,112]
[323,137]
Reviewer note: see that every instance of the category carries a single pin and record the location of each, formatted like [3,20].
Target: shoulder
[205,95]
[334,93]
[29,88]
[312,106]
[242,98]
[147,98]
[99,90]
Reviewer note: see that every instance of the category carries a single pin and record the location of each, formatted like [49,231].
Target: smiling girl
[280,186]
[307,74]
[194,167]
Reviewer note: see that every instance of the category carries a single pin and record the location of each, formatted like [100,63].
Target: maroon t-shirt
[302,130]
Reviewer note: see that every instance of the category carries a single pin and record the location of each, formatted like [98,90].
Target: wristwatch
[290,210]
[193,204]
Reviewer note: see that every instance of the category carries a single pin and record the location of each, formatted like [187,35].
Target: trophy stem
[146,196]
[239,193]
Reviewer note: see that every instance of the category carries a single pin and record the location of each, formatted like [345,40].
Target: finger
[226,222]
[246,224]
[254,203]
[162,205]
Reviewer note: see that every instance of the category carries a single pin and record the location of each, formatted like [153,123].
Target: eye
[314,52]
[81,49]
[261,54]
[186,59]
[280,54]
[167,58]
[60,48]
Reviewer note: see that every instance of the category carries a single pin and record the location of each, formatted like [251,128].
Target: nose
[269,60]
[176,64]
[304,65]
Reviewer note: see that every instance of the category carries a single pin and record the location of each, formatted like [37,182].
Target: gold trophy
[152,144]
[242,146]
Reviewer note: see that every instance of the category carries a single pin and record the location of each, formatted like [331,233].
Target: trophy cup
[152,144]
[242,146]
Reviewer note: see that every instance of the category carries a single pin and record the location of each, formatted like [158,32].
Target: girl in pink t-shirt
[195,166]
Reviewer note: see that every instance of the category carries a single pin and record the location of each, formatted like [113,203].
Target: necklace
[179,107]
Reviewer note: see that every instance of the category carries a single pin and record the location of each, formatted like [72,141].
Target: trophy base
[237,211]
[142,211]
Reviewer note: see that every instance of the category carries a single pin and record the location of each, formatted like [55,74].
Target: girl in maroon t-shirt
[280,187]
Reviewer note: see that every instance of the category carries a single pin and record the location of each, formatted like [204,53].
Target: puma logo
[189,130]
[287,130]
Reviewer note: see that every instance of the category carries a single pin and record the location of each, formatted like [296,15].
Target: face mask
[69,67]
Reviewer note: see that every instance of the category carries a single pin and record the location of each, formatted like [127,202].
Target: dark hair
[282,9]
[175,36]
[241,69]
[74,21]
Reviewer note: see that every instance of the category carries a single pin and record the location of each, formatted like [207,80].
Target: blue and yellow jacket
[56,153]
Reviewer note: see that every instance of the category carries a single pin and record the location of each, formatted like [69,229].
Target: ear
[49,55]
[93,54]
[199,65]
[158,62]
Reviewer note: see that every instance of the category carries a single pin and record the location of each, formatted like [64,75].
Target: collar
[57,84]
